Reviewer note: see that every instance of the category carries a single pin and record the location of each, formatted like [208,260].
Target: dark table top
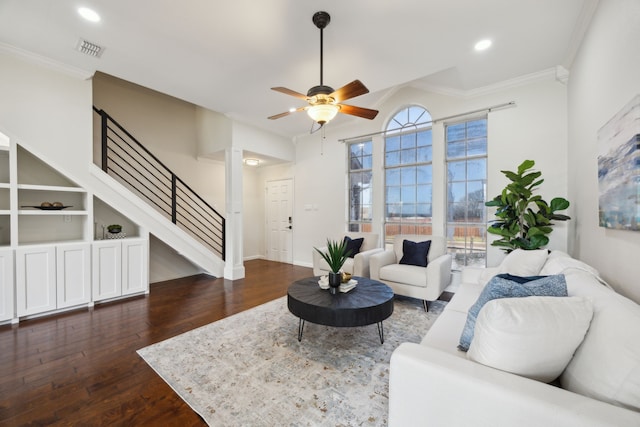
[369,302]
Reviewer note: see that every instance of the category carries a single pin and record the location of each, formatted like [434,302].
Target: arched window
[408,173]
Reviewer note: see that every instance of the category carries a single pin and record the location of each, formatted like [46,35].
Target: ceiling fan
[324,102]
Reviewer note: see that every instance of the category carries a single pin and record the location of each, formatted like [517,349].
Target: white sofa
[357,265]
[435,384]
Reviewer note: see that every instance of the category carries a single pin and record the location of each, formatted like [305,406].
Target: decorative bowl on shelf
[114,228]
[46,206]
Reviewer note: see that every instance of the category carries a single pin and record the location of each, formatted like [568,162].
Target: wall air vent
[89,48]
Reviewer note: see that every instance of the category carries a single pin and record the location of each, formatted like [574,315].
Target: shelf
[52,212]
[50,188]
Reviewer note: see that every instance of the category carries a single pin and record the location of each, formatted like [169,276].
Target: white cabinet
[6,284]
[50,277]
[135,266]
[106,269]
[35,280]
[73,274]
[120,267]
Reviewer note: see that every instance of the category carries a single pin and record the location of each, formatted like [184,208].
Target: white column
[233,268]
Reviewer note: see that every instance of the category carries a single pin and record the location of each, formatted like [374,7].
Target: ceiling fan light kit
[324,102]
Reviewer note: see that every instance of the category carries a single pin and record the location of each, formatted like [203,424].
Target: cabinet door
[73,272]
[107,269]
[35,280]
[6,284]
[135,266]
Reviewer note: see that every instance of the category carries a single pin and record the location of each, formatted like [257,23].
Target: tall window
[408,174]
[466,192]
[360,196]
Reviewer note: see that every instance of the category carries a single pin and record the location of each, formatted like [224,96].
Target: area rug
[250,370]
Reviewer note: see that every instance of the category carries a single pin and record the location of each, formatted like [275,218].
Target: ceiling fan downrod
[321,20]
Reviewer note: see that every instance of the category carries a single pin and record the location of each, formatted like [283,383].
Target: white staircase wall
[47,109]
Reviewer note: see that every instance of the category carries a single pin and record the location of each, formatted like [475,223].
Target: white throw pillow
[523,263]
[534,337]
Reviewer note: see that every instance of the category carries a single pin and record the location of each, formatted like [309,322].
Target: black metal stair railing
[128,161]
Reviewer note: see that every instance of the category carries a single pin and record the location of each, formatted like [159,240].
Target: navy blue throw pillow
[519,279]
[415,253]
[353,245]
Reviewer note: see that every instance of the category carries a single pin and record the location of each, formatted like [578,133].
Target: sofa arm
[431,387]
[320,266]
[438,276]
[379,260]
[361,262]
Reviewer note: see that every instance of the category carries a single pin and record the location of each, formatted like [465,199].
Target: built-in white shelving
[53,250]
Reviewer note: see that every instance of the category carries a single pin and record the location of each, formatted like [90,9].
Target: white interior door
[280,220]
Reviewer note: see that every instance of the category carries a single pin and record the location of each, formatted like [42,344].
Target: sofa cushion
[465,296]
[560,264]
[523,263]
[606,365]
[353,245]
[415,253]
[407,274]
[534,337]
[502,287]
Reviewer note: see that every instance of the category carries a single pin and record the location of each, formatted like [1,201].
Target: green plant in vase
[335,255]
[524,219]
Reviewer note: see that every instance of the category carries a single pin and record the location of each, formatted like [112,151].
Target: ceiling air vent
[89,48]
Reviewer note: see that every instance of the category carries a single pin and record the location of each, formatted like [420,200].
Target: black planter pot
[334,282]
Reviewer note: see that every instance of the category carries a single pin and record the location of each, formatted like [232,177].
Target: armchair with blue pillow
[418,266]
[361,247]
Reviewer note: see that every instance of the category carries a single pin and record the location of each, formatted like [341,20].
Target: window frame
[359,224]
[479,227]
[404,128]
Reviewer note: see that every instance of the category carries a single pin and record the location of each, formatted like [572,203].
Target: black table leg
[300,329]
[381,332]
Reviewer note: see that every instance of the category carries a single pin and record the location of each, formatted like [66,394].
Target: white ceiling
[226,55]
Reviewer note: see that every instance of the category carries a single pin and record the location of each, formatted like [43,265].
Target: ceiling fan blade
[350,90]
[289,92]
[286,113]
[277,116]
[365,113]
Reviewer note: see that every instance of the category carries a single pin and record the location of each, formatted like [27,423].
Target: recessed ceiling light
[89,14]
[252,162]
[292,109]
[483,45]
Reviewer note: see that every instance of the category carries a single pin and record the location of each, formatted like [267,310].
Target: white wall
[604,77]
[47,112]
[168,127]
[535,129]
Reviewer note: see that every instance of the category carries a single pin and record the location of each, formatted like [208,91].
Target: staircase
[140,186]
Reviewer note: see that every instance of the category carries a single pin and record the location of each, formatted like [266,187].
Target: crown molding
[550,73]
[45,62]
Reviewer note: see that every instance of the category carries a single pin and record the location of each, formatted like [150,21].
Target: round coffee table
[368,303]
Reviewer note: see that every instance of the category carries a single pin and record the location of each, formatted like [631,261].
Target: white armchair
[425,283]
[359,264]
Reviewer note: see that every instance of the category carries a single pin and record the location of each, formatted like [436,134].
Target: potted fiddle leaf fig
[335,255]
[524,220]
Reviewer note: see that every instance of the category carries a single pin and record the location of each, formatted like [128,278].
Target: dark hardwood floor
[81,368]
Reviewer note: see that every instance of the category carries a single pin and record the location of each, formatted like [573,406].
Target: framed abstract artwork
[619,169]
